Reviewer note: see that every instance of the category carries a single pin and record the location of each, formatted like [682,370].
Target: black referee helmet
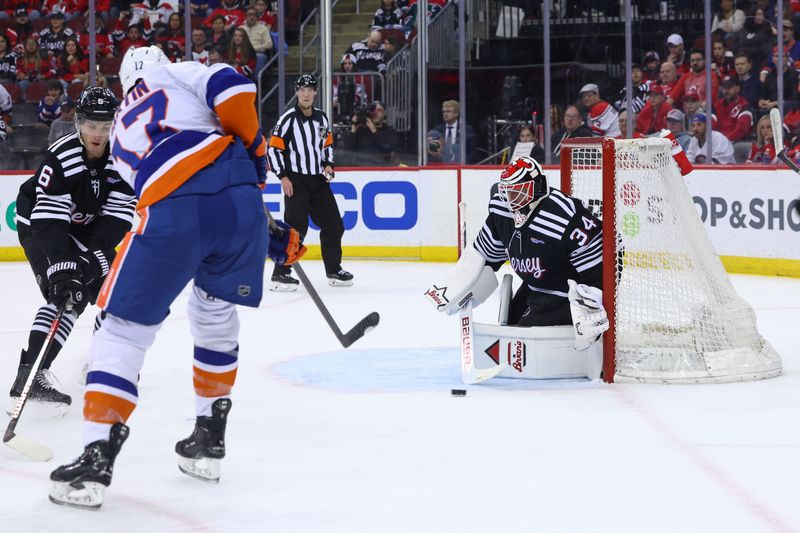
[305,80]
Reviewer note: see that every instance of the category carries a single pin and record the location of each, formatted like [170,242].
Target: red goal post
[674,315]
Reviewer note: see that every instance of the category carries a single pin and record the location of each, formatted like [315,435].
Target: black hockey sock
[41,325]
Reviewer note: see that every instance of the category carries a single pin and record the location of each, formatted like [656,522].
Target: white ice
[369,439]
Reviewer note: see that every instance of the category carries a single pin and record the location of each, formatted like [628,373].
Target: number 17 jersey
[561,240]
[177,120]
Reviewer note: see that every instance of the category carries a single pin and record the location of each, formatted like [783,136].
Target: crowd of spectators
[744,87]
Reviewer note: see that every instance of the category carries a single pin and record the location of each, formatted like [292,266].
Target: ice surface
[370,440]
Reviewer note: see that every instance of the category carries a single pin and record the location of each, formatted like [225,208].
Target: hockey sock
[41,325]
[214,375]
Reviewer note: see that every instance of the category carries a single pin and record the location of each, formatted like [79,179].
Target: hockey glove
[66,286]
[258,154]
[94,267]
[588,314]
[284,244]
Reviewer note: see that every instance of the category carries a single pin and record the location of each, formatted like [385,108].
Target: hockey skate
[284,283]
[82,483]
[199,454]
[343,278]
[43,394]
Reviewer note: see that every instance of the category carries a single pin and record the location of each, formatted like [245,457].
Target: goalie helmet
[523,185]
[136,62]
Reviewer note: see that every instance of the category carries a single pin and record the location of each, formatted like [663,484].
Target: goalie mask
[523,185]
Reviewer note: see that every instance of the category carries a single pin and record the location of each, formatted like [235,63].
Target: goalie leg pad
[469,279]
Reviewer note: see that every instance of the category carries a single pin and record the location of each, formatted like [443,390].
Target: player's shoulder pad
[66,147]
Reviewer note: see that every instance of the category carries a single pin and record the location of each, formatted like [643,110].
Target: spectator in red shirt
[650,66]
[132,37]
[733,112]
[677,54]
[105,48]
[231,12]
[265,15]
[763,148]
[694,82]
[23,28]
[73,66]
[722,64]
[653,118]
[30,65]
[241,54]
[172,39]
[668,76]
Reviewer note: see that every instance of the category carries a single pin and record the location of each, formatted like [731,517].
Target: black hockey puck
[458,392]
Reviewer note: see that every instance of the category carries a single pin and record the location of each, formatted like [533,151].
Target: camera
[361,113]
[434,145]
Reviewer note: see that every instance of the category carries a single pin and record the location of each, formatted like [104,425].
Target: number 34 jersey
[561,240]
[177,120]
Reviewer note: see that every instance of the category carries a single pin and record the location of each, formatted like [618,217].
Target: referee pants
[312,196]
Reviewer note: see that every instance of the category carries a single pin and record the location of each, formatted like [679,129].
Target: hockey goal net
[674,314]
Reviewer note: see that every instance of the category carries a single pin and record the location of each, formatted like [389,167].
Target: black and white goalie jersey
[72,197]
[561,240]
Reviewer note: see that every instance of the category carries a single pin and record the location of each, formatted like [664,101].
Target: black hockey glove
[94,266]
[66,286]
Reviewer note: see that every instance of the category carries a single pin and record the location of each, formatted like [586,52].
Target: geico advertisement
[9,188]
[378,208]
[749,213]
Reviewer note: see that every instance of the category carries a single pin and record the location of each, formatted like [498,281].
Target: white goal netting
[677,315]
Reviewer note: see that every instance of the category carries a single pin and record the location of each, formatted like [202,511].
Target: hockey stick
[24,445]
[470,375]
[357,331]
[777,136]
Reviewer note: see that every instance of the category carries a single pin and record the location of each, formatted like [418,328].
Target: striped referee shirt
[301,144]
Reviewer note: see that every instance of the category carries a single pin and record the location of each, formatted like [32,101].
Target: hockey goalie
[551,325]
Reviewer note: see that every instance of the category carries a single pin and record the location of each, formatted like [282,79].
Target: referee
[300,152]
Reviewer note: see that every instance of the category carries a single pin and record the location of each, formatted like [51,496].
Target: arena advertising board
[750,213]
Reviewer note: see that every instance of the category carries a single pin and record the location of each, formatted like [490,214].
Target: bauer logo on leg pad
[436,295]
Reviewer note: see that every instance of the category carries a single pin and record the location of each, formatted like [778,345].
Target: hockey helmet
[523,185]
[96,103]
[136,62]
[305,80]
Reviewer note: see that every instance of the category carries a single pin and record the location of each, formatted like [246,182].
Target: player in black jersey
[554,244]
[70,215]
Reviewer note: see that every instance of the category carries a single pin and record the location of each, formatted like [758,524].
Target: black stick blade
[362,328]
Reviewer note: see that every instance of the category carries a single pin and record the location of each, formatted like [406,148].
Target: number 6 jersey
[561,240]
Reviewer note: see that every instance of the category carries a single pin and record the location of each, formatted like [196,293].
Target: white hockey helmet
[523,185]
[136,62]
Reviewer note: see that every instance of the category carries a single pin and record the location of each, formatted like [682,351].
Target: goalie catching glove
[588,315]
[284,244]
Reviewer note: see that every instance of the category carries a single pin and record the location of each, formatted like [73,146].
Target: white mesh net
[678,318]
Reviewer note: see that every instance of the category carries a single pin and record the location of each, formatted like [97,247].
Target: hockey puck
[458,392]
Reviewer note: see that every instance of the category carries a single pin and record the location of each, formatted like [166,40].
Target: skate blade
[204,469]
[88,495]
[283,287]
[339,283]
[39,409]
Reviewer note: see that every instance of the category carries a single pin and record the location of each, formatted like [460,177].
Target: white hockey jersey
[176,121]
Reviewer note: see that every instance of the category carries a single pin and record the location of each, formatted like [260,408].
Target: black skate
[82,483]
[199,454]
[284,283]
[42,390]
[343,278]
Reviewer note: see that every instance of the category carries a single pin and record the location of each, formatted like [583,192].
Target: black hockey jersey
[72,197]
[561,240]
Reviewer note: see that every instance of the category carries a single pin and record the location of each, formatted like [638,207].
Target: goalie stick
[24,445]
[356,332]
[777,135]
[470,375]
